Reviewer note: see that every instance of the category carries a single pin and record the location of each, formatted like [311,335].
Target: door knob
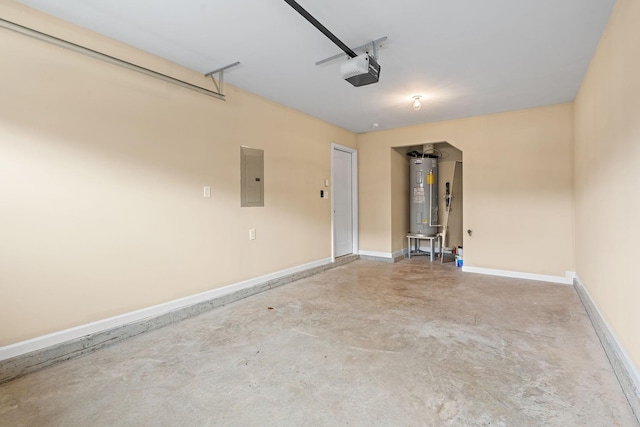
[469,232]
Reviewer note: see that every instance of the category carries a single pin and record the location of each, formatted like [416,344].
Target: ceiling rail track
[116,61]
[371,47]
[313,21]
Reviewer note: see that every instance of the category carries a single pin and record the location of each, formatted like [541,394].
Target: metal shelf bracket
[220,72]
[12,26]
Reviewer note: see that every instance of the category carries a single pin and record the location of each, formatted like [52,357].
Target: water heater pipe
[431,201]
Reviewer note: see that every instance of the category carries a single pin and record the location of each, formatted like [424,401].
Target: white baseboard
[627,373]
[383,256]
[624,356]
[376,254]
[400,253]
[60,337]
[566,280]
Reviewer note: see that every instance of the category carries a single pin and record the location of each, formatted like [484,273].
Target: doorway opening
[448,203]
[344,201]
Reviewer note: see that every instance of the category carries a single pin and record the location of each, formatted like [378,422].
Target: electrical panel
[251,177]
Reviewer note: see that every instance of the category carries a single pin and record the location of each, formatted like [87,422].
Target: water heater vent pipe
[431,201]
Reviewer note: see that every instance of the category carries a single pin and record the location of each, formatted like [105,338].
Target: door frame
[354,197]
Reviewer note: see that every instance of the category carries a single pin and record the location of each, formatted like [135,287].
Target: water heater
[423,195]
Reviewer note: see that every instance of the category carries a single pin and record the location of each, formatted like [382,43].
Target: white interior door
[342,176]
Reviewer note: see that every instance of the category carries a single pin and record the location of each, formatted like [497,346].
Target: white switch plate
[206,191]
[252,234]
[326,182]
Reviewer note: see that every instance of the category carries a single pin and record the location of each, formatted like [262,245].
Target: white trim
[399,253]
[384,255]
[354,196]
[377,254]
[566,280]
[38,343]
[621,355]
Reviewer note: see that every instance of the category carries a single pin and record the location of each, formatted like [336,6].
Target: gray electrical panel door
[251,177]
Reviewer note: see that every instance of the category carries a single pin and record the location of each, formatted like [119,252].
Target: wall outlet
[252,234]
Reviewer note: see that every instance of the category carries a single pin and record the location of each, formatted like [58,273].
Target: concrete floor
[369,343]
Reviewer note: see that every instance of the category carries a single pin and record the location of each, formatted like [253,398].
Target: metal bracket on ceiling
[38,35]
[371,47]
[220,72]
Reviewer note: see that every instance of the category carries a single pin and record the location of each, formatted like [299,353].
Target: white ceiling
[465,57]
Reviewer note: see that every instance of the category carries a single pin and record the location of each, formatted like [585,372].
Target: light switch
[252,234]
[326,182]
[206,191]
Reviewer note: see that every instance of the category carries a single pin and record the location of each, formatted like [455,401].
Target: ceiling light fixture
[417,104]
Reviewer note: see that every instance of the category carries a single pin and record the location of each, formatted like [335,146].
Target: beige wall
[607,176]
[451,171]
[450,164]
[518,187]
[101,175]
[101,178]
[399,170]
